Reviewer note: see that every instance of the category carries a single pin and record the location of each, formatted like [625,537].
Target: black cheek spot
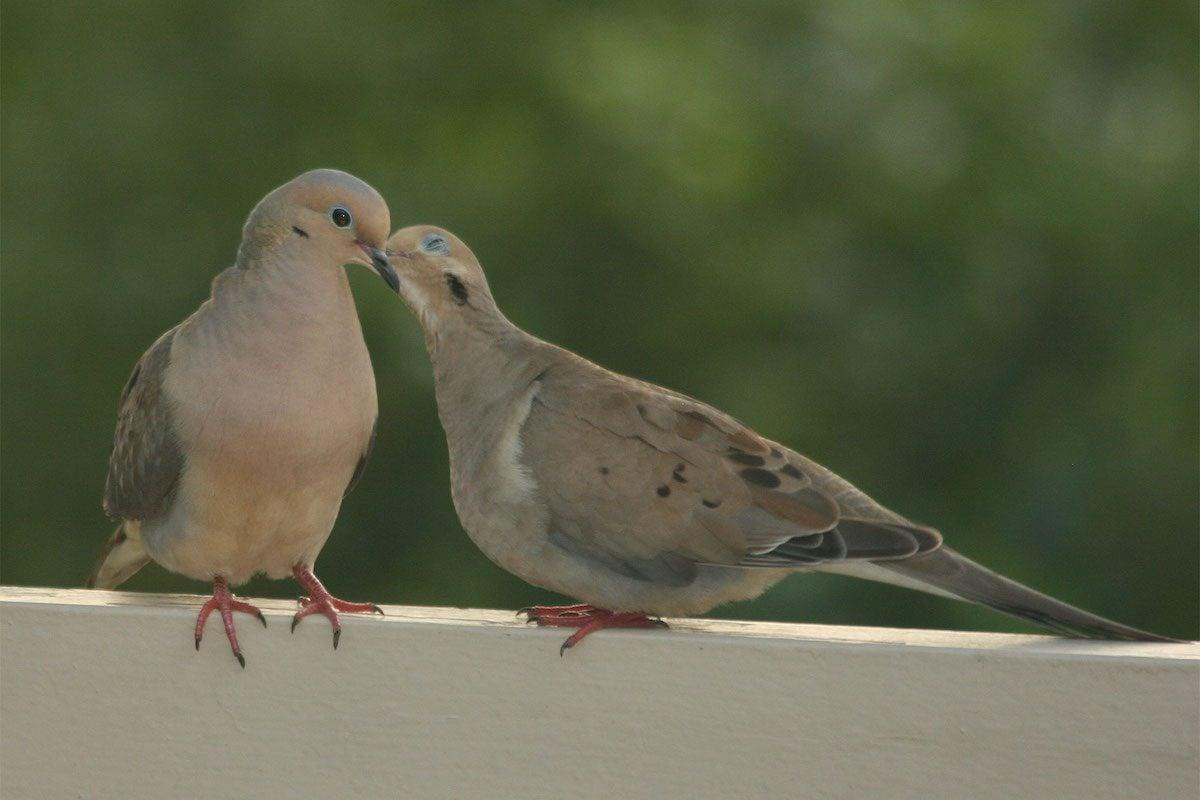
[664,490]
[742,457]
[300,232]
[791,471]
[760,477]
[710,503]
[457,290]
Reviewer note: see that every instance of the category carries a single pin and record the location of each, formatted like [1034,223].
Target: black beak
[379,261]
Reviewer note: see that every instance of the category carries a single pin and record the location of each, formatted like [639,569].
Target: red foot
[321,601]
[223,599]
[587,619]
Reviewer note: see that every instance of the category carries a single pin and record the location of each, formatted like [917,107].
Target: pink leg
[536,613]
[588,619]
[321,601]
[223,599]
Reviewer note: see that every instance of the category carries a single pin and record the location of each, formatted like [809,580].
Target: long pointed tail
[122,556]
[946,572]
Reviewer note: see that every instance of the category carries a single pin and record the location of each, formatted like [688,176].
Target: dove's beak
[379,261]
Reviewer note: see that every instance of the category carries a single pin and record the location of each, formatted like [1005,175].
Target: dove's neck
[289,273]
[484,377]
[287,301]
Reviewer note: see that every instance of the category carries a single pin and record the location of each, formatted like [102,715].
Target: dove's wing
[362,461]
[654,483]
[146,459]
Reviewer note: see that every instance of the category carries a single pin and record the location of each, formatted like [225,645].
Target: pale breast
[272,435]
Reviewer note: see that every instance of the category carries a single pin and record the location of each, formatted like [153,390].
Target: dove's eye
[435,244]
[340,217]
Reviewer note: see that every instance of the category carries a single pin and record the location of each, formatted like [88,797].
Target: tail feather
[122,556]
[949,572]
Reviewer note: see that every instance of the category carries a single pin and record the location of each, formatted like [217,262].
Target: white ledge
[102,695]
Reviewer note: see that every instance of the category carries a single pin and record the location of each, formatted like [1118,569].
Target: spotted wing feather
[657,482]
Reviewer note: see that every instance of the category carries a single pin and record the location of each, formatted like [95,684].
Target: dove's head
[440,278]
[330,213]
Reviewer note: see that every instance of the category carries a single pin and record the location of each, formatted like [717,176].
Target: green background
[948,250]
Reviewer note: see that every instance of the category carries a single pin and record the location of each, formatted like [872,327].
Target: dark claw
[241,659]
[197,643]
[526,610]
[262,619]
[658,623]
[377,610]
[337,634]
[295,622]
[566,645]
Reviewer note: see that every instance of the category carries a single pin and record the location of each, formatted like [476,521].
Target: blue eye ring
[435,244]
[340,216]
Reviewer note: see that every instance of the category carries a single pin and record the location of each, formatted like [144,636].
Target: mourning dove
[641,501]
[241,428]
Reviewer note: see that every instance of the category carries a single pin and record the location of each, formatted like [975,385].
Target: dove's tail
[945,572]
[122,556]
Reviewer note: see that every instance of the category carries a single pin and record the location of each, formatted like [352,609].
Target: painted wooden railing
[103,696]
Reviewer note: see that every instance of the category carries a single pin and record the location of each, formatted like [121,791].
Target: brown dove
[241,429]
[640,501]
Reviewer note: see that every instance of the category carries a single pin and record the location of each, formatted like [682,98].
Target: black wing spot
[300,232]
[676,474]
[760,477]
[663,490]
[791,471]
[710,503]
[604,470]
[740,456]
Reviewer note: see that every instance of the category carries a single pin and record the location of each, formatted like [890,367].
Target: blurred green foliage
[947,249]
